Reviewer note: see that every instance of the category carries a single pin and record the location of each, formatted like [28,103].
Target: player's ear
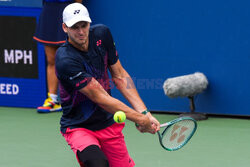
[64,27]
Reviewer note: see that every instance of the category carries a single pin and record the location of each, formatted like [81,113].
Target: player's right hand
[155,123]
[146,125]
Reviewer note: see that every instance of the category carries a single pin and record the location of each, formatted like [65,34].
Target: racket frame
[168,125]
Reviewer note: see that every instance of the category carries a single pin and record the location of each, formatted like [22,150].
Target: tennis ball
[119,117]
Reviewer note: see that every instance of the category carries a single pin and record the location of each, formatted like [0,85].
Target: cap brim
[75,20]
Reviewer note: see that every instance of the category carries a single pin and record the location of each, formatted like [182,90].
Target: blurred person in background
[49,32]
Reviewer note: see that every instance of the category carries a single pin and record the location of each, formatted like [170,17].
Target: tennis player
[82,65]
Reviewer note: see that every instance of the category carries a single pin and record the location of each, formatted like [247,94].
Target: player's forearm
[95,92]
[112,105]
[126,86]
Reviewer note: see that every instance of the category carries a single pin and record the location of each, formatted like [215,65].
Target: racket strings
[178,134]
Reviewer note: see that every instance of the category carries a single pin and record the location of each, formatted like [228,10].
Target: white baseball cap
[74,13]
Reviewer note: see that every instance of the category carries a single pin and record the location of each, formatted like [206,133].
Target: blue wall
[21,3]
[161,39]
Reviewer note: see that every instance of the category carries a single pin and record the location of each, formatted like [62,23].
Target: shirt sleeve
[71,73]
[110,45]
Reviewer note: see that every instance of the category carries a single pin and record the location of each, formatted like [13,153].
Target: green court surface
[28,139]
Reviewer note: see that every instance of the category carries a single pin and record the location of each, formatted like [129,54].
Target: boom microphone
[186,85]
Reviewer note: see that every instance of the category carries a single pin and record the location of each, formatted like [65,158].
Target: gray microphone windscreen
[186,85]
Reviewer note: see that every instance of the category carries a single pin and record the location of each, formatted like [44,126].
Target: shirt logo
[77,75]
[99,42]
[81,82]
[76,11]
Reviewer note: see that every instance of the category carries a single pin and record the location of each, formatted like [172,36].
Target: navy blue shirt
[75,69]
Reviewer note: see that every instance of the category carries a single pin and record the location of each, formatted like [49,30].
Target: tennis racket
[177,133]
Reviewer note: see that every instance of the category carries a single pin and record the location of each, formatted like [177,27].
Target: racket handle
[165,124]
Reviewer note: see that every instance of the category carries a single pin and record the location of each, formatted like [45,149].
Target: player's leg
[51,103]
[86,147]
[92,156]
[114,147]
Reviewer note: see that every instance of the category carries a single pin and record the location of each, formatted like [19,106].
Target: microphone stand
[195,115]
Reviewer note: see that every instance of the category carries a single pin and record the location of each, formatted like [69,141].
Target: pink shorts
[110,140]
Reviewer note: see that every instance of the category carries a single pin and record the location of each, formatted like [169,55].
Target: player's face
[79,33]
